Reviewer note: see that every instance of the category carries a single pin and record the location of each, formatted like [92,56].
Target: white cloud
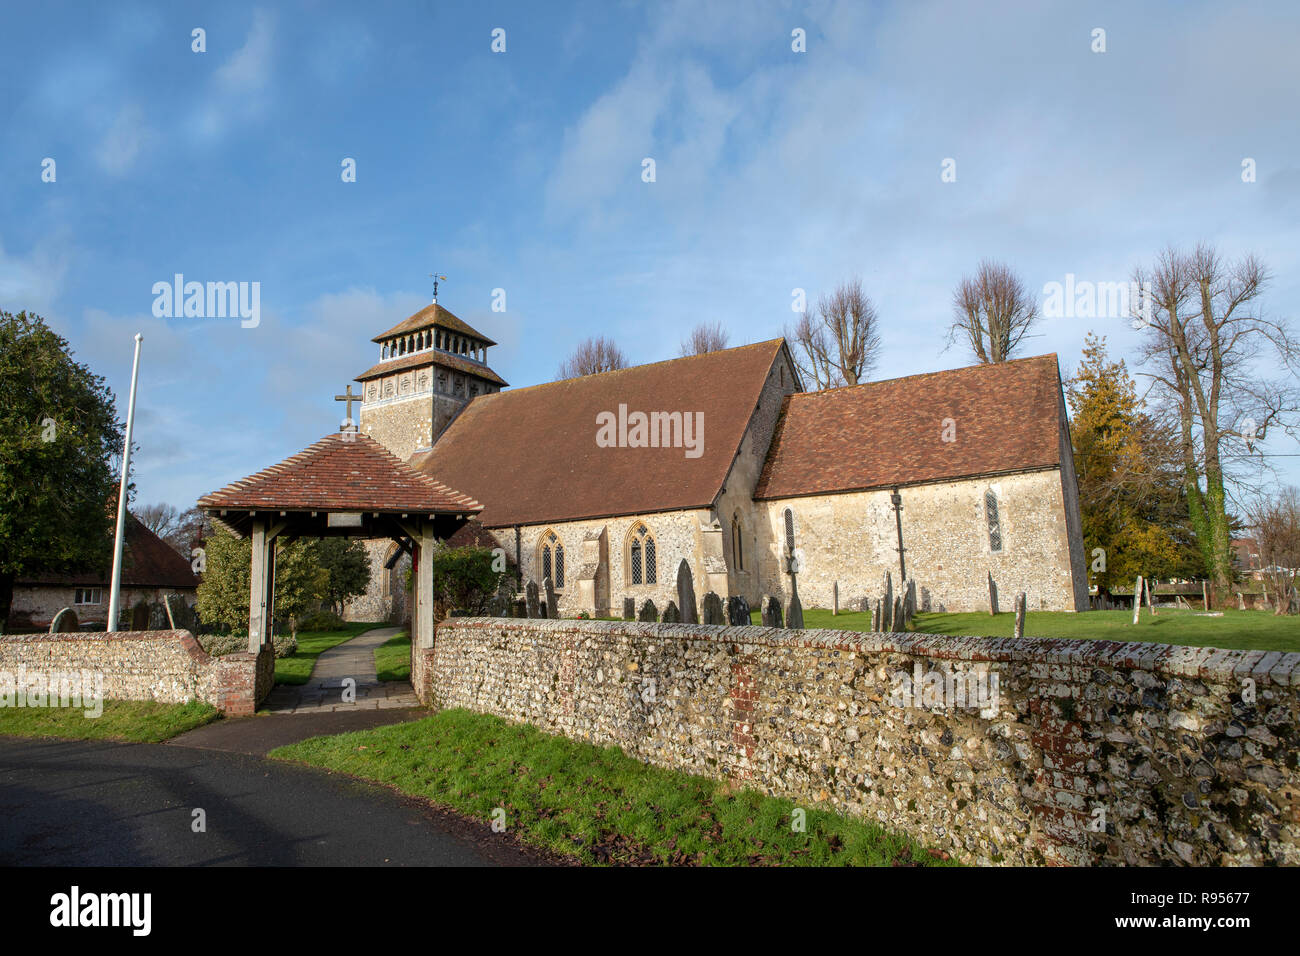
[118,150]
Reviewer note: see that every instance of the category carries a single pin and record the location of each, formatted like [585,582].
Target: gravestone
[542,610]
[686,594]
[993,595]
[671,614]
[65,621]
[530,597]
[738,611]
[794,611]
[1022,600]
[909,604]
[552,605]
[1137,598]
[835,599]
[157,616]
[1241,601]
[876,625]
[772,616]
[140,616]
[887,601]
[898,625]
[711,609]
[649,613]
[629,609]
[520,608]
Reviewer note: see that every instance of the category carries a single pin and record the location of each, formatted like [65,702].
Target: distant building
[1245,557]
[151,569]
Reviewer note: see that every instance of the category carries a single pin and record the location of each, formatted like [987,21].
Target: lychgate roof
[531,455]
[341,473]
[1002,417]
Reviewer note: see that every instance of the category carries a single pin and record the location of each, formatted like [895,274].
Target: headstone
[1022,601]
[1137,598]
[888,600]
[772,616]
[794,611]
[993,595]
[530,596]
[542,610]
[520,607]
[686,594]
[629,609]
[711,609]
[1151,598]
[1241,601]
[835,599]
[552,605]
[909,602]
[140,616]
[649,613]
[738,611]
[875,617]
[64,621]
[671,614]
[899,626]
[157,616]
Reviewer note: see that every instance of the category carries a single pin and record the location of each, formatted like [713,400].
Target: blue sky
[522,170]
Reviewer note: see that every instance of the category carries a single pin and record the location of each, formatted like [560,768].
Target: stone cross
[349,398]
[686,594]
[1022,601]
[711,609]
[552,606]
[530,595]
[738,611]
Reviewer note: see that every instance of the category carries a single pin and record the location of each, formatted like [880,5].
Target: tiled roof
[339,475]
[431,357]
[530,454]
[428,317]
[147,562]
[1005,418]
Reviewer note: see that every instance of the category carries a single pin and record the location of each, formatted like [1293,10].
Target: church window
[737,545]
[789,531]
[553,558]
[643,566]
[994,521]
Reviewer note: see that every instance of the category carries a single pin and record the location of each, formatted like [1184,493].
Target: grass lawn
[596,803]
[296,668]
[393,658]
[1236,630]
[136,721]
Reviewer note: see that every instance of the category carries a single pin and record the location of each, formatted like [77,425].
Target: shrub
[320,621]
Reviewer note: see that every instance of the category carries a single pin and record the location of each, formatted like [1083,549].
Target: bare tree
[1204,337]
[179,529]
[1277,529]
[705,337]
[592,356]
[994,310]
[162,519]
[837,343]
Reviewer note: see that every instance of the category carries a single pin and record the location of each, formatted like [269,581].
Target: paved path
[83,803]
[323,692]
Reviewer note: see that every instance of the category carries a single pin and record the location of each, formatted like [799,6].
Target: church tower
[431,365]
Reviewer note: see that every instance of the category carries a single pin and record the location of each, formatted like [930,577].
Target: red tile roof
[339,475]
[147,562]
[530,454]
[882,434]
[428,317]
[430,358]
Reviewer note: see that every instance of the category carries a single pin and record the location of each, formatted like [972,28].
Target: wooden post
[1205,594]
[1151,599]
[424,610]
[257,587]
[1137,598]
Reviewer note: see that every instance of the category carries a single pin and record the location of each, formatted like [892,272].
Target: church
[605,483]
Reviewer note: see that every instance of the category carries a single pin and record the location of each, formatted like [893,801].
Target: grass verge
[393,658]
[297,667]
[596,803]
[136,721]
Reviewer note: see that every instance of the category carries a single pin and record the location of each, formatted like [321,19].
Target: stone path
[323,692]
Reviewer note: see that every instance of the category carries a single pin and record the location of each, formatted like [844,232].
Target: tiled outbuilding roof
[336,474]
[1004,418]
[147,562]
[530,454]
[428,317]
[432,357]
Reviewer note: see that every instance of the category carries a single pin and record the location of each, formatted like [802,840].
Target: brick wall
[166,666]
[1094,751]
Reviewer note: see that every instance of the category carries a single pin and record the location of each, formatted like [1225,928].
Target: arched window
[552,558]
[642,562]
[737,542]
[789,531]
[994,521]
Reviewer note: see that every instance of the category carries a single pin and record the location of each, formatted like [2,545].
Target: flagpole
[115,586]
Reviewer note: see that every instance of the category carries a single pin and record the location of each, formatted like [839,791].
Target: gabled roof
[428,317]
[147,562]
[1005,418]
[530,454]
[336,474]
[431,357]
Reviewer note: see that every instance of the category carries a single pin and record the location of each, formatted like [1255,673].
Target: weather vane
[436,278]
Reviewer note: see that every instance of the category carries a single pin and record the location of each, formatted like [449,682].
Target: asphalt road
[66,803]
